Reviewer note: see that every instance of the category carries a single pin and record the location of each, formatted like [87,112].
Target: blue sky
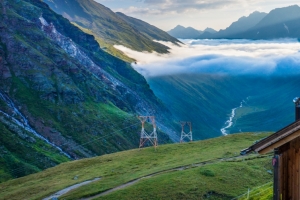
[217,14]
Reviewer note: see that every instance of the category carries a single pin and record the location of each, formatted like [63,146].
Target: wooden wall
[288,170]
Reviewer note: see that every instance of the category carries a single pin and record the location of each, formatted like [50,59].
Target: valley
[210,100]
[77,76]
[225,86]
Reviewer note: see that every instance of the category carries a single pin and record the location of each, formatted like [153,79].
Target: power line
[81,145]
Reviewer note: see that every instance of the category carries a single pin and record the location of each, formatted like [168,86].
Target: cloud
[132,10]
[151,7]
[235,57]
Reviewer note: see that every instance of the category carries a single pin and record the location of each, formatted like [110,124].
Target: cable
[110,134]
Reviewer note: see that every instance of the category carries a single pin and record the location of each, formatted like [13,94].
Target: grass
[264,192]
[23,154]
[82,123]
[62,99]
[90,118]
[118,168]
[223,180]
[108,47]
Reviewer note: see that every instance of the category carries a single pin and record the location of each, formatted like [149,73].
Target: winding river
[228,124]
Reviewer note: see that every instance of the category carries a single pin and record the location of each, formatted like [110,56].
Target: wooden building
[286,160]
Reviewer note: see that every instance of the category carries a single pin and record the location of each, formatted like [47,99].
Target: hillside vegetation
[200,173]
[111,27]
[263,192]
[62,97]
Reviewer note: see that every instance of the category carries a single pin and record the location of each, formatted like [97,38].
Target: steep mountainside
[61,96]
[279,23]
[148,30]
[185,33]
[241,25]
[260,103]
[280,15]
[107,25]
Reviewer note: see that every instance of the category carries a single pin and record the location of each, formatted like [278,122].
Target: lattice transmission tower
[152,137]
[184,135]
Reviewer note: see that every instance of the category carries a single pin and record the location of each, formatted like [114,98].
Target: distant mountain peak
[242,24]
[178,27]
[256,13]
[184,33]
[280,15]
[210,30]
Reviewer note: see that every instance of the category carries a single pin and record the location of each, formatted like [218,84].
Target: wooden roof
[275,140]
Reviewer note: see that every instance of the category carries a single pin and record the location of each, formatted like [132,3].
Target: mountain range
[111,28]
[62,96]
[278,23]
[189,32]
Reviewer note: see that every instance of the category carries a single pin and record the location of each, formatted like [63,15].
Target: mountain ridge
[278,23]
[273,26]
[109,26]
[150,31]
[241,25]
[189,32]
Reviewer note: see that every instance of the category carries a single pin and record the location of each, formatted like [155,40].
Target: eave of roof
[277,139]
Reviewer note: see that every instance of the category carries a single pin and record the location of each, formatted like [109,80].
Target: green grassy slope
[105,45]
[106,24]
[119,168]
[80,109]
[148,30]
[221,181]
[23,154]
[263,192]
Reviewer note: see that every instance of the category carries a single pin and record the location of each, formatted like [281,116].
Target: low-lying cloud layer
[236,57]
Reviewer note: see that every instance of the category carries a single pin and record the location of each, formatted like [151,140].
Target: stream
[228,124]
[24,122]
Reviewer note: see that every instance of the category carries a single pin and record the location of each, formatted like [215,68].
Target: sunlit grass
[119,168]
[264,192]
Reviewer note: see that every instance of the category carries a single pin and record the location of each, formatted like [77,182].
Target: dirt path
[161,172]
[132,182]
[66,190]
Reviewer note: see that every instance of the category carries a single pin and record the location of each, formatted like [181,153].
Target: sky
[232,57]
[199,14]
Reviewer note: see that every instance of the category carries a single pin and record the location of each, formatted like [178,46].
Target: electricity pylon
[188,135]
[152,137]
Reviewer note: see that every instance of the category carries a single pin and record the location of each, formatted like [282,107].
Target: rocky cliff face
[62,97]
